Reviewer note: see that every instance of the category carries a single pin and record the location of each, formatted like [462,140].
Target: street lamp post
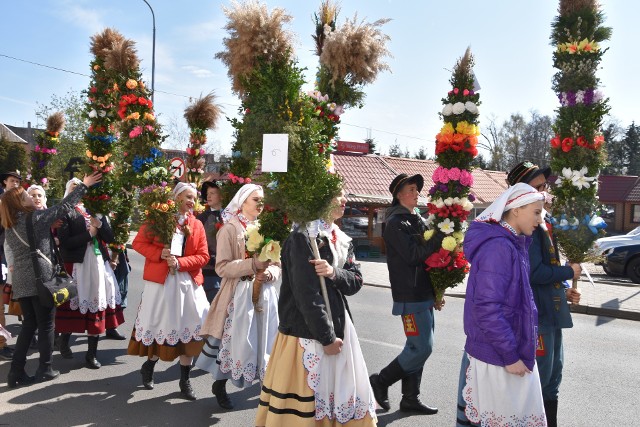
[153,53]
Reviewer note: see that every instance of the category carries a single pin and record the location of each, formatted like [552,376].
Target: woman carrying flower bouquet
[317,374]
[96,309]
[240,337]
[500,316]
[173,304]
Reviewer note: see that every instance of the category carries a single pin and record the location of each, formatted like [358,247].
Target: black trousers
[35,317]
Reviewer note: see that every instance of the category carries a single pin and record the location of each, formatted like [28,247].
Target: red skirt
[70,321]
[73,321]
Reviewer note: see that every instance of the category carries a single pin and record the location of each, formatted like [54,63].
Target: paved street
[599,387]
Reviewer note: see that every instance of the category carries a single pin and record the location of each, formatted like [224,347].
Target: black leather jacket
[301,307]
[406,253]
[74,236]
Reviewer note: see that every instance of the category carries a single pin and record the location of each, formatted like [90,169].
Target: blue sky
[510,40]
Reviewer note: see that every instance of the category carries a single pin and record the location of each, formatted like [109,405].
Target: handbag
[60,288]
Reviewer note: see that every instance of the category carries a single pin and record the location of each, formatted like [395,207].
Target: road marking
[386,344]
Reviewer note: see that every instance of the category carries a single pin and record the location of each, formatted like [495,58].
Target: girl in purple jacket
[502,385]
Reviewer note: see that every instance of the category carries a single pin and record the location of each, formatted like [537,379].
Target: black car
[623,261]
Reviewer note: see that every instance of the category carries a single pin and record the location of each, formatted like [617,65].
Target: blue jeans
[550,364]
[418,347]
[211,286]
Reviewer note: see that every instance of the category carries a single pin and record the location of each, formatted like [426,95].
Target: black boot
[147,373]
[16,378]
[185,384]
[380,383]
[410,391]
[114,334]
[46,373]
[219,389]
[65,350]
[92,350]
[551,409]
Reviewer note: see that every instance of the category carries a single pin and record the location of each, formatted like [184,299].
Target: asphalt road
[600,386]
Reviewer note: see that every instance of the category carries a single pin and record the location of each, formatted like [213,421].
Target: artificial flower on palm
[578,147]
[451,202]
[46,147]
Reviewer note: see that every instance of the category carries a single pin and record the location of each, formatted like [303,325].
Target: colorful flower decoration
[451,201]
[45,149]
[577,148]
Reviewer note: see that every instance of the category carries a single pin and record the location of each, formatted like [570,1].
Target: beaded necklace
[508,227]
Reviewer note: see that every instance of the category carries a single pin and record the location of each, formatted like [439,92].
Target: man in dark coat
[413,294]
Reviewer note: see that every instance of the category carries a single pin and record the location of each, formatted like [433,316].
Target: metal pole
[153,53]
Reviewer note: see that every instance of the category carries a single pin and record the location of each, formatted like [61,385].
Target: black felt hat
[526,172]
[8,174]
[205,187]
[404,179]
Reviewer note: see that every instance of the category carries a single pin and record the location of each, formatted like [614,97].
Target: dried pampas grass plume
[464,64]
[253,34]
[568,7]
[203,113]
[122,56]
[355,51]
[325,20]
[55,122]
[102,42]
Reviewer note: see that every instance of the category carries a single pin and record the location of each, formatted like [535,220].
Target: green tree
[372,145]
[632,143]
[421,154]
[617,154]
[395,151]
[479,162]
[13,156]
[72,142]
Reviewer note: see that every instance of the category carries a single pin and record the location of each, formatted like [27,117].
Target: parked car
[631,238]
[623,260]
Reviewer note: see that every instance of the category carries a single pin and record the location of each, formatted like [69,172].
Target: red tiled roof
[613,188]
[487,185]
[366,177]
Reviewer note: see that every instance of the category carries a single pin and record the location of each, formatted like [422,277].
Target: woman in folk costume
[240,336]
[96,309]
[173,304]
[502,385]
[317,374]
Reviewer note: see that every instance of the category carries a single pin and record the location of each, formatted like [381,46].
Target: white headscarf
[67,188]
[236,203]
[182,186]
[515,196]
[44,194]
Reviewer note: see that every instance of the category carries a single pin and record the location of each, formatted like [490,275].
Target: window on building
[635,213]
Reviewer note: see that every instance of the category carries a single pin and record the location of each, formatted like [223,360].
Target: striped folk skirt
[303,387]
[97,306]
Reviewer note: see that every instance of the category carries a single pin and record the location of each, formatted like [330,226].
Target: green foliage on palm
[577,150]
[13,156]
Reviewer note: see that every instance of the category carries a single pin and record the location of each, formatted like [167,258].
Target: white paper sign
[275,152]
[176,244]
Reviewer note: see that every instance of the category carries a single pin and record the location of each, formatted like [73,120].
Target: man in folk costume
[551,293]
[413,294]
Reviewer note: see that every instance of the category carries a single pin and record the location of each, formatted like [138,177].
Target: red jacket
[196,254]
